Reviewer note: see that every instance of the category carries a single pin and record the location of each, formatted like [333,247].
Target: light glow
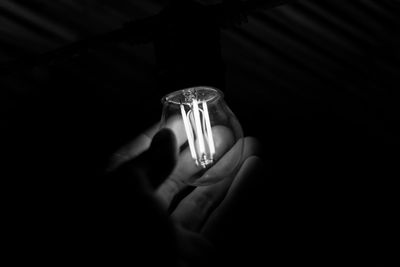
[210,138]
[199,131]
[189,134]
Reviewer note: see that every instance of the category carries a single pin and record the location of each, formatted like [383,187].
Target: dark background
[317,82]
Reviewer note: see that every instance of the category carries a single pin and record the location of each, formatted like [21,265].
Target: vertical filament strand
[189,135]
[199,131]
[209,132]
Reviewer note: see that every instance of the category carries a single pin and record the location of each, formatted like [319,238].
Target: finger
[195,208]
[192,211]
[134,148]
[175,123]
[237,203]
[151,168]
[230,163]
[142,142]
[158,161]
[186,169]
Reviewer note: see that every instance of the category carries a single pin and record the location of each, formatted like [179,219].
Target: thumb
[159,160]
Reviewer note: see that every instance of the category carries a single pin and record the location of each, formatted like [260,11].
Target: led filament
[198,130]
[209,136]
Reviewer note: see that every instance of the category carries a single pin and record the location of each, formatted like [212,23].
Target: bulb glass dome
[209,136]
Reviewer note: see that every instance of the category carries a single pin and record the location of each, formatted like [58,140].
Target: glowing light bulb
[198,130]
[209,136]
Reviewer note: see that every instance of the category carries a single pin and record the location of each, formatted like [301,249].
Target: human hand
[196,212]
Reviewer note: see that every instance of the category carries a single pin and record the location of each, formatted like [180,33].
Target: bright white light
[209,132]
[189,134]
[199,131]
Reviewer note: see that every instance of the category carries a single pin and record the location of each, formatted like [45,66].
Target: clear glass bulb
[209,136]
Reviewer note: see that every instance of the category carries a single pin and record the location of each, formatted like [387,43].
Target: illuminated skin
[209,130]
[186,169]
[198,216]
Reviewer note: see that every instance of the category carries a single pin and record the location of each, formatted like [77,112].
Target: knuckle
[252,146]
